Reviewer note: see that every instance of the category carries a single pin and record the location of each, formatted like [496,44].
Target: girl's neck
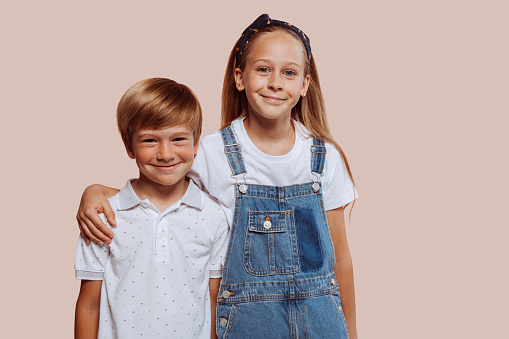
[272,137]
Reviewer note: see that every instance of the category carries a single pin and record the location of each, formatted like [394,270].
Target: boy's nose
[165,153]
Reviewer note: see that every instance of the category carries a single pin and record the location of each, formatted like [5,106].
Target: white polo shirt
[156,270]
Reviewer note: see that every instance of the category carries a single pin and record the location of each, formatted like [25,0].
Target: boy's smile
[163,156]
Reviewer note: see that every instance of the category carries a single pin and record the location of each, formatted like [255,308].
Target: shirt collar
[193,196]
[127,198]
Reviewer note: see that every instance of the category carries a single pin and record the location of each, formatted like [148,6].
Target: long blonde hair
[309,111]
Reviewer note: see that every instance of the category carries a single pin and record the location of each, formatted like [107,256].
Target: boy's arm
[214,290]
[93,202]
[86,321]
[343,267]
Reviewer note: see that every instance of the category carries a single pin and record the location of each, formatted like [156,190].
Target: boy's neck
[161,196]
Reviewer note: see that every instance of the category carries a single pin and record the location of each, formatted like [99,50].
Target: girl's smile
[273,76]
[273,99]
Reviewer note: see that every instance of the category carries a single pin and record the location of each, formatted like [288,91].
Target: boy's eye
[181,140]
[148,140]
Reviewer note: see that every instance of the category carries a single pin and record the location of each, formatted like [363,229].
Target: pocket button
[226,294]
[267,224]
[223,322]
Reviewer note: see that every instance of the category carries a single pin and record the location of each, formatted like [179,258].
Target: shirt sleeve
[90,259]
[219,246]
[338,189]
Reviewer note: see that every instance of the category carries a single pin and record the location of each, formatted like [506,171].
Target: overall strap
[233,151]
[318,152]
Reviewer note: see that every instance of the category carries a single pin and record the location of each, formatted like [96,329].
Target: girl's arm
[93,202]
[86,320]
[214,284]
[343,267]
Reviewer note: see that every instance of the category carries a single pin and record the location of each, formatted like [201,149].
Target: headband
[261,22]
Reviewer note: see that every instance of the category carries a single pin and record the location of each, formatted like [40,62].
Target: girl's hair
[309,111]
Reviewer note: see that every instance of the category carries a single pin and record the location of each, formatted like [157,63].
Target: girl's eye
[262,69]
[290,73]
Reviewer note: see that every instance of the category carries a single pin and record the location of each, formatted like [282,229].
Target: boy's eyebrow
[145,134]
[268,60]
[154,132]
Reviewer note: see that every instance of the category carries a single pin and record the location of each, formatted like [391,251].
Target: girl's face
[274,75]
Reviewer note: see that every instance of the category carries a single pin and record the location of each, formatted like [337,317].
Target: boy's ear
[195,147]
[239,80]
[129,152]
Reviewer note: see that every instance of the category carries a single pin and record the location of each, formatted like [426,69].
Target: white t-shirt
[156,271]
[212,172]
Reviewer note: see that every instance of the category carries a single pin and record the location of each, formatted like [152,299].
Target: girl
[283,182]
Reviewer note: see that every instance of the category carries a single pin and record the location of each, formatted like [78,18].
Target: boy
[159,277]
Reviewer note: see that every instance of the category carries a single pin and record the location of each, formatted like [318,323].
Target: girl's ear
[239,80]
[305,86]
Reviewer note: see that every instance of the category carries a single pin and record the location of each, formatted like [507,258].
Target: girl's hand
[93,202]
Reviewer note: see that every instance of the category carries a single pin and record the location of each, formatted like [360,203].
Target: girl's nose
[275,82]
[165,152]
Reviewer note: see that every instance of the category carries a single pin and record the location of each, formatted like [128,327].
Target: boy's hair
[157,103]
[309,111]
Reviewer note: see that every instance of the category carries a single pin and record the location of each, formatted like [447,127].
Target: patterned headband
[261,22]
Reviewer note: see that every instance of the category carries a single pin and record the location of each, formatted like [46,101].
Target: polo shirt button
[226,294]
[267,224]
[160,236]
[243,188]
[315,187]
[223,322]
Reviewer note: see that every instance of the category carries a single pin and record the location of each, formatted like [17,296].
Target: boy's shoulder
[209,205]
[123,197]
[207,201]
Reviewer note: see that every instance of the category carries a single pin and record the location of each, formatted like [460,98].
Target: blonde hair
[158,103]
[309,111]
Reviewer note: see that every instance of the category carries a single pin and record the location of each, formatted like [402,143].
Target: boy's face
[164,156]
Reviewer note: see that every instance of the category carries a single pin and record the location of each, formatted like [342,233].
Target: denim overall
[278,277]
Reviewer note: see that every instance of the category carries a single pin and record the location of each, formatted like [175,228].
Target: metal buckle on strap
[233,148]
[317,179]
[318,149]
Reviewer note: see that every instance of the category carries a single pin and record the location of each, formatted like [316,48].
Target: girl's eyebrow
[269,61]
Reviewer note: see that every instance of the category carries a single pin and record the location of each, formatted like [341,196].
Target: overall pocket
[339,308]
[225,313]
[271,243]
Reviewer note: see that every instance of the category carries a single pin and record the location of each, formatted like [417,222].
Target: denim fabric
[278,278]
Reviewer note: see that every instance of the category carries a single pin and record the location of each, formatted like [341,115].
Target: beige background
[417,95]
